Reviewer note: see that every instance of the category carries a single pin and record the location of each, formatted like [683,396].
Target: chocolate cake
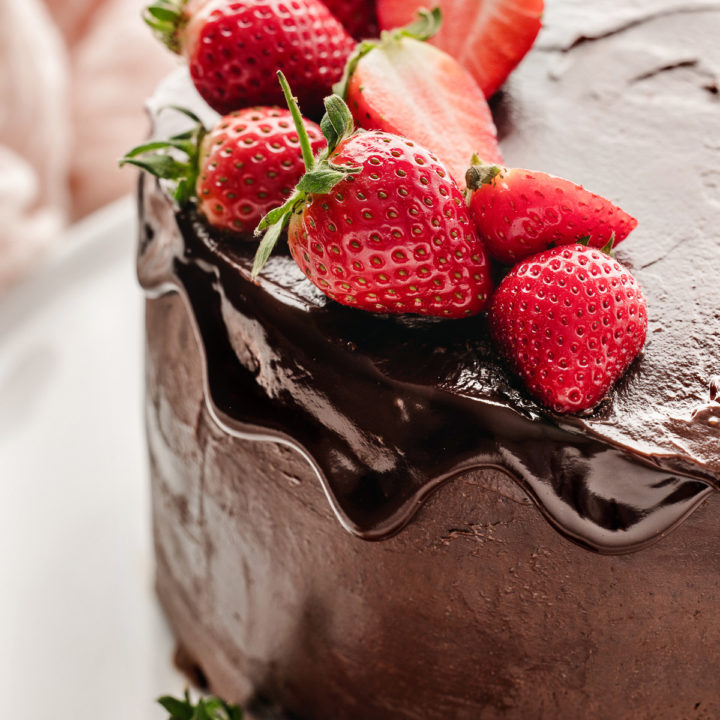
[360,516]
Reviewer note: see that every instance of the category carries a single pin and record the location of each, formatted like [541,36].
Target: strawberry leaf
[320,181]
[202,712]
[276,214]
[162,13]
[155,157]
[268,243]
[159,165]
[179,144]
[183,191]
[337,123]
[211,708]
[166,19]
[178,709]
[187,135]
[183,111]
[608,247]
[328,131]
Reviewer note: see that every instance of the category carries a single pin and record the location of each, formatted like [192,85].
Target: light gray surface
[81,634]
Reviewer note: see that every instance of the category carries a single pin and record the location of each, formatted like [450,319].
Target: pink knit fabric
[73,78]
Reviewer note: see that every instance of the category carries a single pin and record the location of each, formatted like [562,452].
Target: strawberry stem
[305,147]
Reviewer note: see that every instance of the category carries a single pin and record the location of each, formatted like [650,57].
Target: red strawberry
[250,163]
[405,86]
[519,212]
[378,224]
[569,321]
[233,47]
[247,164]
[488,37]
[358,17]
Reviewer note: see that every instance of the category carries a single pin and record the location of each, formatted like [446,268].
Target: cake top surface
[621,97]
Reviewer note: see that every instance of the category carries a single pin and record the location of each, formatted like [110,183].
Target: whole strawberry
[402,85]
[233,48]
[248,163]
[379,225]
[569,322]
[521,212]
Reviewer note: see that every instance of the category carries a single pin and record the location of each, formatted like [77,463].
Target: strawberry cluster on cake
[365,324]
[378,221]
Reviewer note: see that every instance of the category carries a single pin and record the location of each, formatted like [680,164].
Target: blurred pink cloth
[73,78]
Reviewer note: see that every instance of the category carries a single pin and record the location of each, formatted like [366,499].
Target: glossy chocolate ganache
[621,97]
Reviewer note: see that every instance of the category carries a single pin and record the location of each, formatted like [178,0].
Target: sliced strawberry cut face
[488,37]
[410,88]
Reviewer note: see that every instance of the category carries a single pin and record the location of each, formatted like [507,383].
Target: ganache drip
[387,408]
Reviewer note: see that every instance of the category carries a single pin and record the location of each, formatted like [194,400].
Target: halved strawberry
[488,37]
[402,85]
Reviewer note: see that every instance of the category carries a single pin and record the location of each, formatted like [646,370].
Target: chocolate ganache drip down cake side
[363,515]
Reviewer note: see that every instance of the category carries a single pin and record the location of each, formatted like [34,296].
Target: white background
[81,634]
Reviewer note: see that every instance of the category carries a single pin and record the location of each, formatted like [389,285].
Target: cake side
[478,608]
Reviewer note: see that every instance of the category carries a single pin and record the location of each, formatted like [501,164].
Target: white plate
[81,634]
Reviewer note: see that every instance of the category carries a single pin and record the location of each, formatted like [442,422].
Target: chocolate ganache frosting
[621,97]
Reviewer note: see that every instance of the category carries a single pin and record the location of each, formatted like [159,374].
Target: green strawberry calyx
[607,248]
[210,708]
[425,27]
[176,159]
[321,174]
[480,173]
[167,18]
